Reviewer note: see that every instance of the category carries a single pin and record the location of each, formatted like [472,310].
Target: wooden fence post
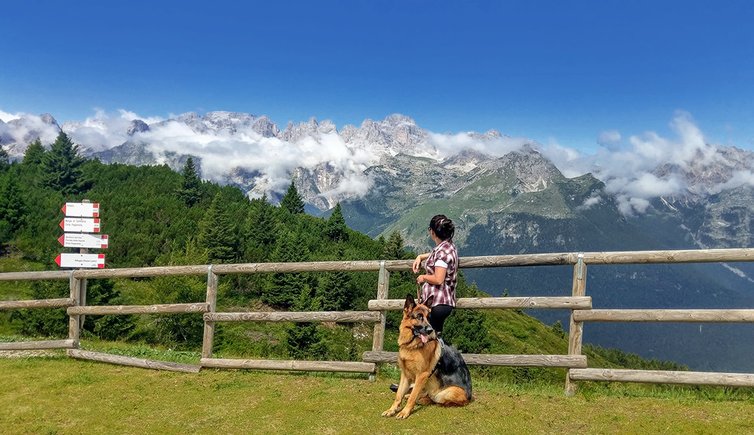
[576,329]
[209,325]
[74,324]
[383,285]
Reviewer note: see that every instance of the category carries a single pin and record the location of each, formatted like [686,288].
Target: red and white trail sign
[80,225]
[83,240]
[81,209]
[92,261]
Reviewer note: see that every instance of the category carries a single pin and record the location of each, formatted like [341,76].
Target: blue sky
[561,71]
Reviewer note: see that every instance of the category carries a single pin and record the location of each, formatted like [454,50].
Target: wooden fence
[579,304]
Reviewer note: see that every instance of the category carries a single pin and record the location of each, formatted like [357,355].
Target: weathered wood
[209,326]
[383,285]
[38,345]
[290,365]
[82,301]
[566,302]
[36,303]
[74,321]
[288,316]
[576,329]
[552,259]
[133,362]
[663,377]
[142,272]
[690,316]
[199,307]
[677,256]
[628,257]
[35,276]
[316,266]
[494,360]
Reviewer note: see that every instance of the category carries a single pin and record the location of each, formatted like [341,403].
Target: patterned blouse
[443,255]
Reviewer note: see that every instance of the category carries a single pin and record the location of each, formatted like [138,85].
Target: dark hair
[442,226]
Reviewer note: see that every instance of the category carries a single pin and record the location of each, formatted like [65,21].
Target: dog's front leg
[403,387]
[419,385]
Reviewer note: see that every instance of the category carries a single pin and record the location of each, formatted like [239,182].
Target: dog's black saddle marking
[452,369]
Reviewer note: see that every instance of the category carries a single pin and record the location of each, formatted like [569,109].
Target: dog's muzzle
[425,333]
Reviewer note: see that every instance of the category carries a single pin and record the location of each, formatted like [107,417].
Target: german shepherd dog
[437,370]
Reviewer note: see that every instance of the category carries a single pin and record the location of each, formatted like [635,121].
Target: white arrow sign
[83,240]
[80,225]
[81,209]
[95,261]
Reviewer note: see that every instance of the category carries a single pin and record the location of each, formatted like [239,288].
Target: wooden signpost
[76,261]
[80,225]
[81,209]
[84,240]
[80,222]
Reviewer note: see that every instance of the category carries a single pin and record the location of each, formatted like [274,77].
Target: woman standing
[441,271]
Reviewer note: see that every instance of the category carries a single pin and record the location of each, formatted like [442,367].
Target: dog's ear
[410,303]
[428,302]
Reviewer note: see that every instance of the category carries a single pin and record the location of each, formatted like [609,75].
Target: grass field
[59,395]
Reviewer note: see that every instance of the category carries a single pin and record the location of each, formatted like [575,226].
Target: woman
[441,271]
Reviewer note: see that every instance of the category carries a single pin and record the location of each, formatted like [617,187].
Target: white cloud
[5,116]
[631,173]
[450,144]
[609,138]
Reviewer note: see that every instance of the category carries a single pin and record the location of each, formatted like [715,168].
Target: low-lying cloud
[649,165]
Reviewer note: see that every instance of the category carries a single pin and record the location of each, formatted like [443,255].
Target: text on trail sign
[94,261]
[83,240]
[81,209]
[80,225]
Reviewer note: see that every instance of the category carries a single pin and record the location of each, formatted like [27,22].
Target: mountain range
[507,196]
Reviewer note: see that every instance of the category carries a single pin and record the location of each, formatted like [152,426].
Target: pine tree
[337,291]
[4,160]
[34,154]
[217,233]
[62,167]
[394,249]
[12,209]
[302,337]
[336,229]
[292,201]
[259,230]
[284,288]
[191,187]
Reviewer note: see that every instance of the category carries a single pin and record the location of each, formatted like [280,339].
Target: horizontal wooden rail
[199,307]
[564,258]
[287,316]
[36,303]
[133,362]
[617,257]
[566,302]
[663,377]
[37,275]
[712,316]
[494,360]
[38,345]
[291,365]
[142,272]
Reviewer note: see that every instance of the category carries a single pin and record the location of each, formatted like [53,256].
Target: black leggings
[438,315]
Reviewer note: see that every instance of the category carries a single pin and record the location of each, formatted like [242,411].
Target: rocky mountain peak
[137,126]
[49,119]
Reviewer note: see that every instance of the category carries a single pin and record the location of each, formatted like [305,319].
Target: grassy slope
[58,395]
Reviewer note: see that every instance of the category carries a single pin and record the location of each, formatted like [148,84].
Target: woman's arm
[418,262]
[436,278]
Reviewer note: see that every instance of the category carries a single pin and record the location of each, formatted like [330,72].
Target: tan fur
[417,361]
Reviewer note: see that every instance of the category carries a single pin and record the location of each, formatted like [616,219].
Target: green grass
[59,395]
